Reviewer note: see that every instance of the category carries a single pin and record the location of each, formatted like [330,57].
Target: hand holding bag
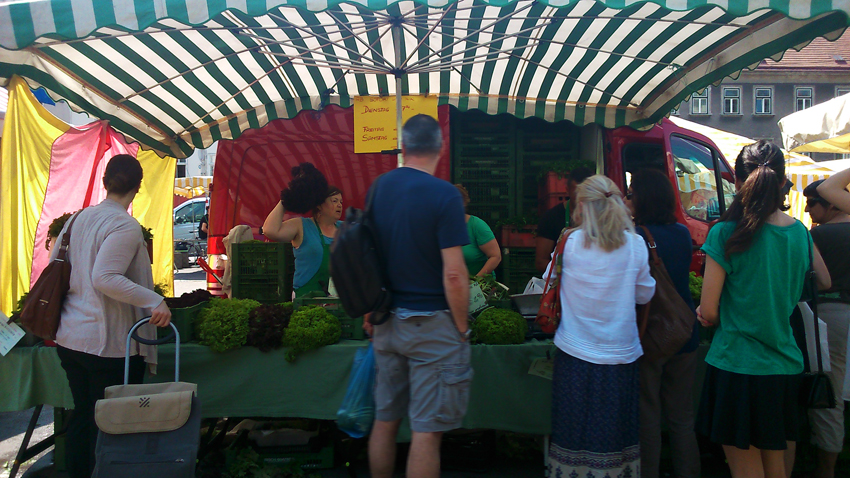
[815,388]
[666,323]
[549,314]
[43,306]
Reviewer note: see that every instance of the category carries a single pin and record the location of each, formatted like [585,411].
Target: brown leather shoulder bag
[43,305]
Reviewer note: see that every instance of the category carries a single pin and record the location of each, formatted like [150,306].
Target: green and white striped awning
[179,74]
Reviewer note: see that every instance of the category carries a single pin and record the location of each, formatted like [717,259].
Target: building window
[731,100]
[803,96]
[763,97]
[699,103]
[181,168]
[842,156]
[842,90]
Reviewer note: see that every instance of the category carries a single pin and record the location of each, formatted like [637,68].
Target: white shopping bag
[809,325]
[534,286]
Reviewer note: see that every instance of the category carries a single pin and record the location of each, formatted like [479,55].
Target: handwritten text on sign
[375,119]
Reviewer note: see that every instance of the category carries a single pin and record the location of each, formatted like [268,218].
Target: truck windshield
[698,170]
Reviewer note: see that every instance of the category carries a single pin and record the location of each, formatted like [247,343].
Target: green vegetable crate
[352,327]
[259,272]
[184,319]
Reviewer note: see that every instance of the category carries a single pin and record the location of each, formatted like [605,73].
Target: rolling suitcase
[148,430]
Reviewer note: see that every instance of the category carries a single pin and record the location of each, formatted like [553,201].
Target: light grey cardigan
[111,283]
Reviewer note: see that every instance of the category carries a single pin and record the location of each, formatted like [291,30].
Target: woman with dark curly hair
[311,237]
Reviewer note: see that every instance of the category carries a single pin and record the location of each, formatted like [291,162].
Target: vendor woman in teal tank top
[311,237]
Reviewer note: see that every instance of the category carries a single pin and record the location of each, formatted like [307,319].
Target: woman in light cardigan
[111,289]
[595,384]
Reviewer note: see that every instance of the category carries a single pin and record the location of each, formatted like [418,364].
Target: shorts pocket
[454,392]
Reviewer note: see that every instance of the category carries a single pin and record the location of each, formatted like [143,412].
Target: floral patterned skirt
[595,412]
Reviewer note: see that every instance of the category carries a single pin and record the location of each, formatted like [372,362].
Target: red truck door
[691,161]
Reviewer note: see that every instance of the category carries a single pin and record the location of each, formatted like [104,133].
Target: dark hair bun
[123,174]
[306,191]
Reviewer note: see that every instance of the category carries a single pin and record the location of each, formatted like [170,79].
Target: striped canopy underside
[178,85]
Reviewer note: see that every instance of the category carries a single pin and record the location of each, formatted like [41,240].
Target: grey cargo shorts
[423,369]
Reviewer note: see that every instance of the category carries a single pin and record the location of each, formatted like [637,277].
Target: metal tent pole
[397,38]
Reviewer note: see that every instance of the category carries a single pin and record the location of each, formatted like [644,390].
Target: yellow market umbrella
[192,187]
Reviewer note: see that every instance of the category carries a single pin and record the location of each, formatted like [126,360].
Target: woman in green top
[482,254]
[756,261]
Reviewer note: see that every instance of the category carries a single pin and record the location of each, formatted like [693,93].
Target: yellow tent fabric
[153,208]
[29,135]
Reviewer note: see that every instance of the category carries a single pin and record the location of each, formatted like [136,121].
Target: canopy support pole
[396,29]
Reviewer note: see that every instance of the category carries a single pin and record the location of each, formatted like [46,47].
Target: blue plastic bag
[357,412]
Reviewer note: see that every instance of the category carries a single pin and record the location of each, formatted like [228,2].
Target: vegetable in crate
[309,328]
[492,290]
[266,325]
[188,299]
[224,324]
[499,327]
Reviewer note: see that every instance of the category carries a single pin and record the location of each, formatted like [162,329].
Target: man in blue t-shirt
[422,353]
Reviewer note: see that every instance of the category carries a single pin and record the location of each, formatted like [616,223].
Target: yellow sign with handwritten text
[375,120]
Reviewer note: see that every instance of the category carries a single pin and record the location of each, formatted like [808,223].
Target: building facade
[752,104]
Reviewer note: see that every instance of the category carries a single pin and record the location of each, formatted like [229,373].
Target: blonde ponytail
[604,216]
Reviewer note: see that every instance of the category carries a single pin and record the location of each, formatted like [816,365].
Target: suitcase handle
[133,335]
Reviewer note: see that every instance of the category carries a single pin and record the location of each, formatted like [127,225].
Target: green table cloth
[32,376]
[249,383]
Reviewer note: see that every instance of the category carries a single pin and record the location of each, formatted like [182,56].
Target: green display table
[32,376]
[250,383]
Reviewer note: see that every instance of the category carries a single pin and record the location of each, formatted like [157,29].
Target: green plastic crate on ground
[259,272]
[352,327]
[517,268]
[184,319]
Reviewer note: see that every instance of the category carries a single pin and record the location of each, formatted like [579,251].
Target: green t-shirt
[479,233]
[763,285]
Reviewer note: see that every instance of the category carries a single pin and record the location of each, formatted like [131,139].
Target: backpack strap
[650,243]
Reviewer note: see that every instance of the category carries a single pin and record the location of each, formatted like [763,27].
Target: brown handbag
[666,323]
[549,314]
[43,305]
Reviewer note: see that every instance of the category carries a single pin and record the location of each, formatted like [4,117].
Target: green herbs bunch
[309,328]
[491,289]
[16,312]
[695,285]
[499,327]
[224,324]
[266,325]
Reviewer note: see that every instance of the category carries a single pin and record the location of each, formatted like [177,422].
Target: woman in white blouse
[595,404]
[111,289]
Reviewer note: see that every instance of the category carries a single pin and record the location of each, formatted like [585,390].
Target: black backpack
[357,268]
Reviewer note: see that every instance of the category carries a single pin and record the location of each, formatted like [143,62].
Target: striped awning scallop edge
[181,74]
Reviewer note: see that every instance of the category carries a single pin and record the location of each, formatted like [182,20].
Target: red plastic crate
[552,183]
[525,237]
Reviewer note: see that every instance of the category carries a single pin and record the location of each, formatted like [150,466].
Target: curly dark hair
[56,228]
[306,191]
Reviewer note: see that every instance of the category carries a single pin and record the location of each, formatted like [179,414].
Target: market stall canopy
[800,169]
[823,128]
[192,186]
[180,74]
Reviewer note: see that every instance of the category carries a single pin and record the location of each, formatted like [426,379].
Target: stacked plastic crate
[483,153]
[260,272]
